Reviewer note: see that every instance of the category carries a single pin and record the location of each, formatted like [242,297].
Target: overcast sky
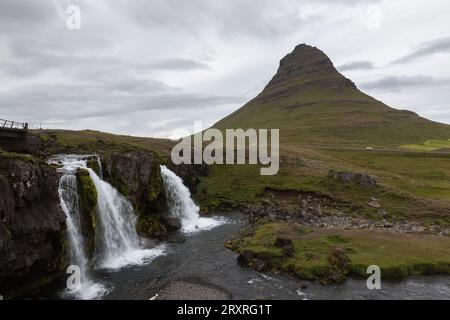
[150,68]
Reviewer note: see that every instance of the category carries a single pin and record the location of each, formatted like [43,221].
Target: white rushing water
[68,193]
[182,206]
[117,242]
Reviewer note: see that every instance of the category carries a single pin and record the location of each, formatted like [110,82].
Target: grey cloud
[74,102]
[351,2]
[357,65]
[27,60]
[176,64]
[438,112]
[16,15]
[426,49]
[133,85]
[233,18]
[131,61]
[395,83]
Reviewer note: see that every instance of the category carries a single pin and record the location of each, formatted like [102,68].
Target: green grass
[429,145]
[89,141]
[398,255]
[19,156]
[411,186]
[423,174]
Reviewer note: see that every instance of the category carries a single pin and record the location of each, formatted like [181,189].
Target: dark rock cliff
[32,225]
[190,174]
[138,177]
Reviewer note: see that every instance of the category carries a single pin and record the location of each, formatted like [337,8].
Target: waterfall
[182,206]
[117,243]
[100,169]
[68,193]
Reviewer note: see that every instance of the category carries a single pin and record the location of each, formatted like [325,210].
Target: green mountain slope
[325,124]
[312,103]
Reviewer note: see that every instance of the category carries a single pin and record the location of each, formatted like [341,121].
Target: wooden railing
[7,124]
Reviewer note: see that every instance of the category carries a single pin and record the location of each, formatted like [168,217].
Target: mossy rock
[94,165]
[151,226]
[156,196]
[88,202]
[17,156]
[155,183]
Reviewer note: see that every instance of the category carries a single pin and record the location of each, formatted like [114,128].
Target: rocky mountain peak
[307,65]
[305,56]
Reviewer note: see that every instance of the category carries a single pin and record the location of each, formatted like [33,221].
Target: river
[203,257]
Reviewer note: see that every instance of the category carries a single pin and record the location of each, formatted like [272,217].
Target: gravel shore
[189,289]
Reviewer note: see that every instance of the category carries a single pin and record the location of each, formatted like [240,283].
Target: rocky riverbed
[202,262]
[316,210]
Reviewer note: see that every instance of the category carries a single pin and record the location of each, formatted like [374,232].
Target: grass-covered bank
[331,255]
[96,142]
[411,186]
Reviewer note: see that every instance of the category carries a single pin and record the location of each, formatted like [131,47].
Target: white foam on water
[133,257]
[253,281]
[89,290]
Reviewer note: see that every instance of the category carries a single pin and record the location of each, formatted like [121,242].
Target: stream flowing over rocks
[202,262]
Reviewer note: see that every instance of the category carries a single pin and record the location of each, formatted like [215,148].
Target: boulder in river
[245,258]
[172,224]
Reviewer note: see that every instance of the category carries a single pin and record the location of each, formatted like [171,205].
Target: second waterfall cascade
[182,206]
